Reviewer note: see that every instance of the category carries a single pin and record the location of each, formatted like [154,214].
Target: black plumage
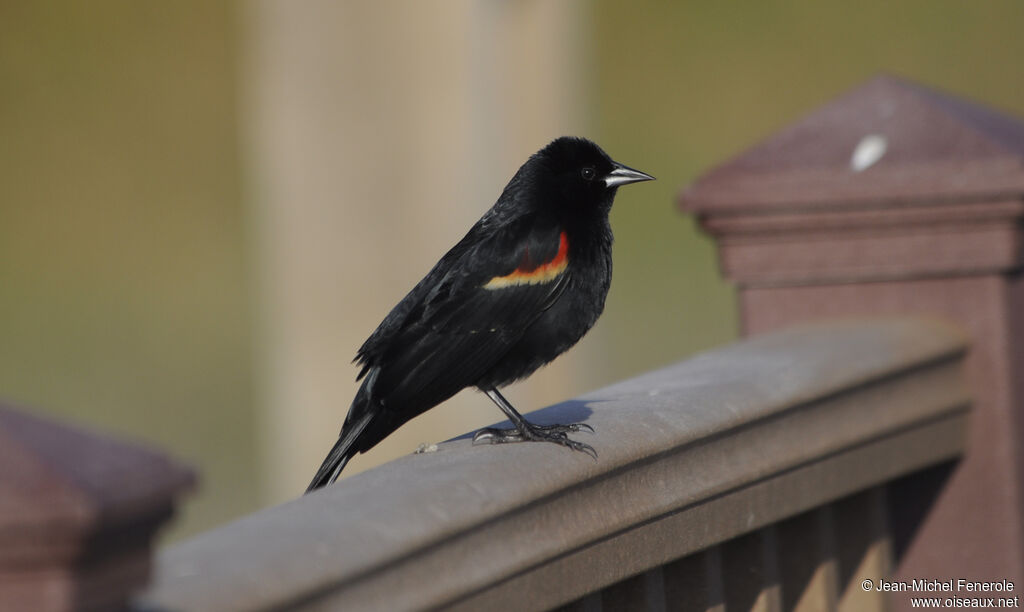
[523,286]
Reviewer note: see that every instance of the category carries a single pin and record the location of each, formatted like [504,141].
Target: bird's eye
[588,173]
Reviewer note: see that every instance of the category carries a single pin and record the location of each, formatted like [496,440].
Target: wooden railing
[762,475]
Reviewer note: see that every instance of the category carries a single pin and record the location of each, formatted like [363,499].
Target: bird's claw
[576,446]
[564,429]
[538,433]
[490,435]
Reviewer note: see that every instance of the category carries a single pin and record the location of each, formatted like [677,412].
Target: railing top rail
[442,528]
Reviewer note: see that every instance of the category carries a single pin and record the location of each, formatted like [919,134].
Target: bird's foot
[557,434]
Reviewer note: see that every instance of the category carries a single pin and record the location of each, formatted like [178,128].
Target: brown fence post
[898,199]
[78,514]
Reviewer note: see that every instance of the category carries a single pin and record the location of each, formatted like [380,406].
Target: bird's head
[582,173]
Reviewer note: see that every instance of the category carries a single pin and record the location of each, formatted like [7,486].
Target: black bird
[522,287]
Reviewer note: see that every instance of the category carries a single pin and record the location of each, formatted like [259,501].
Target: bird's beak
[624,175]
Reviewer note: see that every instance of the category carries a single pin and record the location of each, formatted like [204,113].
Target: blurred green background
[126,255]
[123,282]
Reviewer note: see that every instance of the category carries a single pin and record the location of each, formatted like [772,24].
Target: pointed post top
[78,514]
[52,475]
[888,141]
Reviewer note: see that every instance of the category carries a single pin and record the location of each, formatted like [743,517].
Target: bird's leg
[524,431]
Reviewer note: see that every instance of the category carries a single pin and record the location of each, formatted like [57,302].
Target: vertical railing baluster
[590,603]
[654,588]
[694,583]
[807,562]
[629,595]
[750,572]
[715,579]
[864,549]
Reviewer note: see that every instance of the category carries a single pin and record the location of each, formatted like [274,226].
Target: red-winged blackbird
[523,286]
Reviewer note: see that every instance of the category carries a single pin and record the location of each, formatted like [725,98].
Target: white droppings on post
[868,151]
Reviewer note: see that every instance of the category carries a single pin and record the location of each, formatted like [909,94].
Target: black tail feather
[340,453]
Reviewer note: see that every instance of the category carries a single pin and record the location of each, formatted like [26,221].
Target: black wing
[464,315]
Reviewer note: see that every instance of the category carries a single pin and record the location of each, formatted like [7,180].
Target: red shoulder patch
[540,273]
